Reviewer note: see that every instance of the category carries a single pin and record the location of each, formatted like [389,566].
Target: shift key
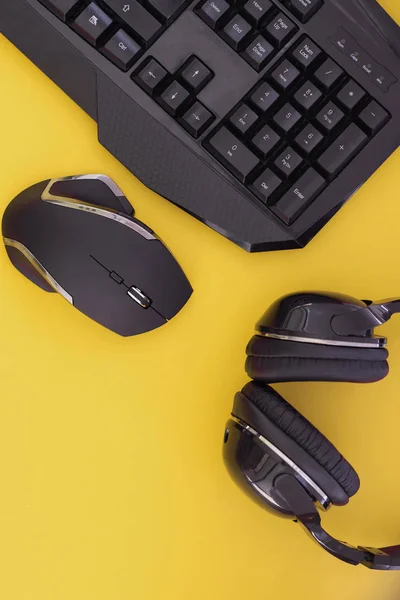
[136,17]
[300,195]
[234,153]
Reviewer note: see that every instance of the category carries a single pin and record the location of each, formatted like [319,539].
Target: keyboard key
[351,95]
[196,74]
[174,98]
[92,23]
[373,117]
[121,50]
[330,116]
[342,150]
[306,53]
[304,9]
[266,184]
[280,30]
[287,117]
[197,119]
[138,18]
[236,31]
[60,7]
[243,118]
[308,139]
[328,74]
[257,10]
[168,9]
[259,52]
[300,195]
[264,97]
[307,95]
[288,162]
[285,74]
[151,76]
[212,11]
[266,140]
[234,153]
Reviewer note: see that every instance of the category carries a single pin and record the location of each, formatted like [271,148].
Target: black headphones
[272,452]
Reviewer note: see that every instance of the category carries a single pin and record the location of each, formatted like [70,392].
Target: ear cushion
[273,360]
[299,429]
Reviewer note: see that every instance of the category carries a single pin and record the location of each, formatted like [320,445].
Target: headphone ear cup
[309,438]
[274,360]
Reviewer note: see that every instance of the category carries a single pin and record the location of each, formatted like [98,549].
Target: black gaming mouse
[78,236]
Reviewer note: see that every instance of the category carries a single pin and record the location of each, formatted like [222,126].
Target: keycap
[197,119]
[212,11]
[257,10]
[308,139]
[373,117]
[328,74]
[150,76]
[264,97]
[287,117]
[243,118]
[300,195]
[91,23]
[350,95]
[343,149]
[122,50]
[196,74]
[280,30]
[174,98]
[236,31]
[266,140]
[137,17]
[259,53]
[234,153]
[304,9]
[307,95]
[288,161]
[330,116]
[285,74]
[306,52]
[266,184]
[168,9]
[60,7]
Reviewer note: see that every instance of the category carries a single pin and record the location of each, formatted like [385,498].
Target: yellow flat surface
[112,485]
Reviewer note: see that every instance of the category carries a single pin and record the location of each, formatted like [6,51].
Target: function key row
[121,29]
[256,29]
[177,93]
[296,130]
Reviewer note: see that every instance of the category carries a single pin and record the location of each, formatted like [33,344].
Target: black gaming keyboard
[258,117]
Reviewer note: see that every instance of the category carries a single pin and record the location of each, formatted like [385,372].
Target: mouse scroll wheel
[138,296]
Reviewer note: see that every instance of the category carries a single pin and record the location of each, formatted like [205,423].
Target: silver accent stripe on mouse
[79,205]
[39,267]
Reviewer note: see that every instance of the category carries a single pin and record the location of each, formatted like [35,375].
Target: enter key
[300,195]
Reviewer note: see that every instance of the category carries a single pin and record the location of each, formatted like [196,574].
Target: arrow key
[150,76]
[174,98]
[197,119]
[196,74]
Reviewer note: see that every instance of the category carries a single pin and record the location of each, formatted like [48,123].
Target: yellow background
[112,485]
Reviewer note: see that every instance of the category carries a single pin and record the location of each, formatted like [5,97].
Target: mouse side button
[91,189]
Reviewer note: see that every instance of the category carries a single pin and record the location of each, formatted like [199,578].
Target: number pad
[299,126]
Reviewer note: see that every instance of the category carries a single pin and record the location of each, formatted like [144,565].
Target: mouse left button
[26,267]
[98,190]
